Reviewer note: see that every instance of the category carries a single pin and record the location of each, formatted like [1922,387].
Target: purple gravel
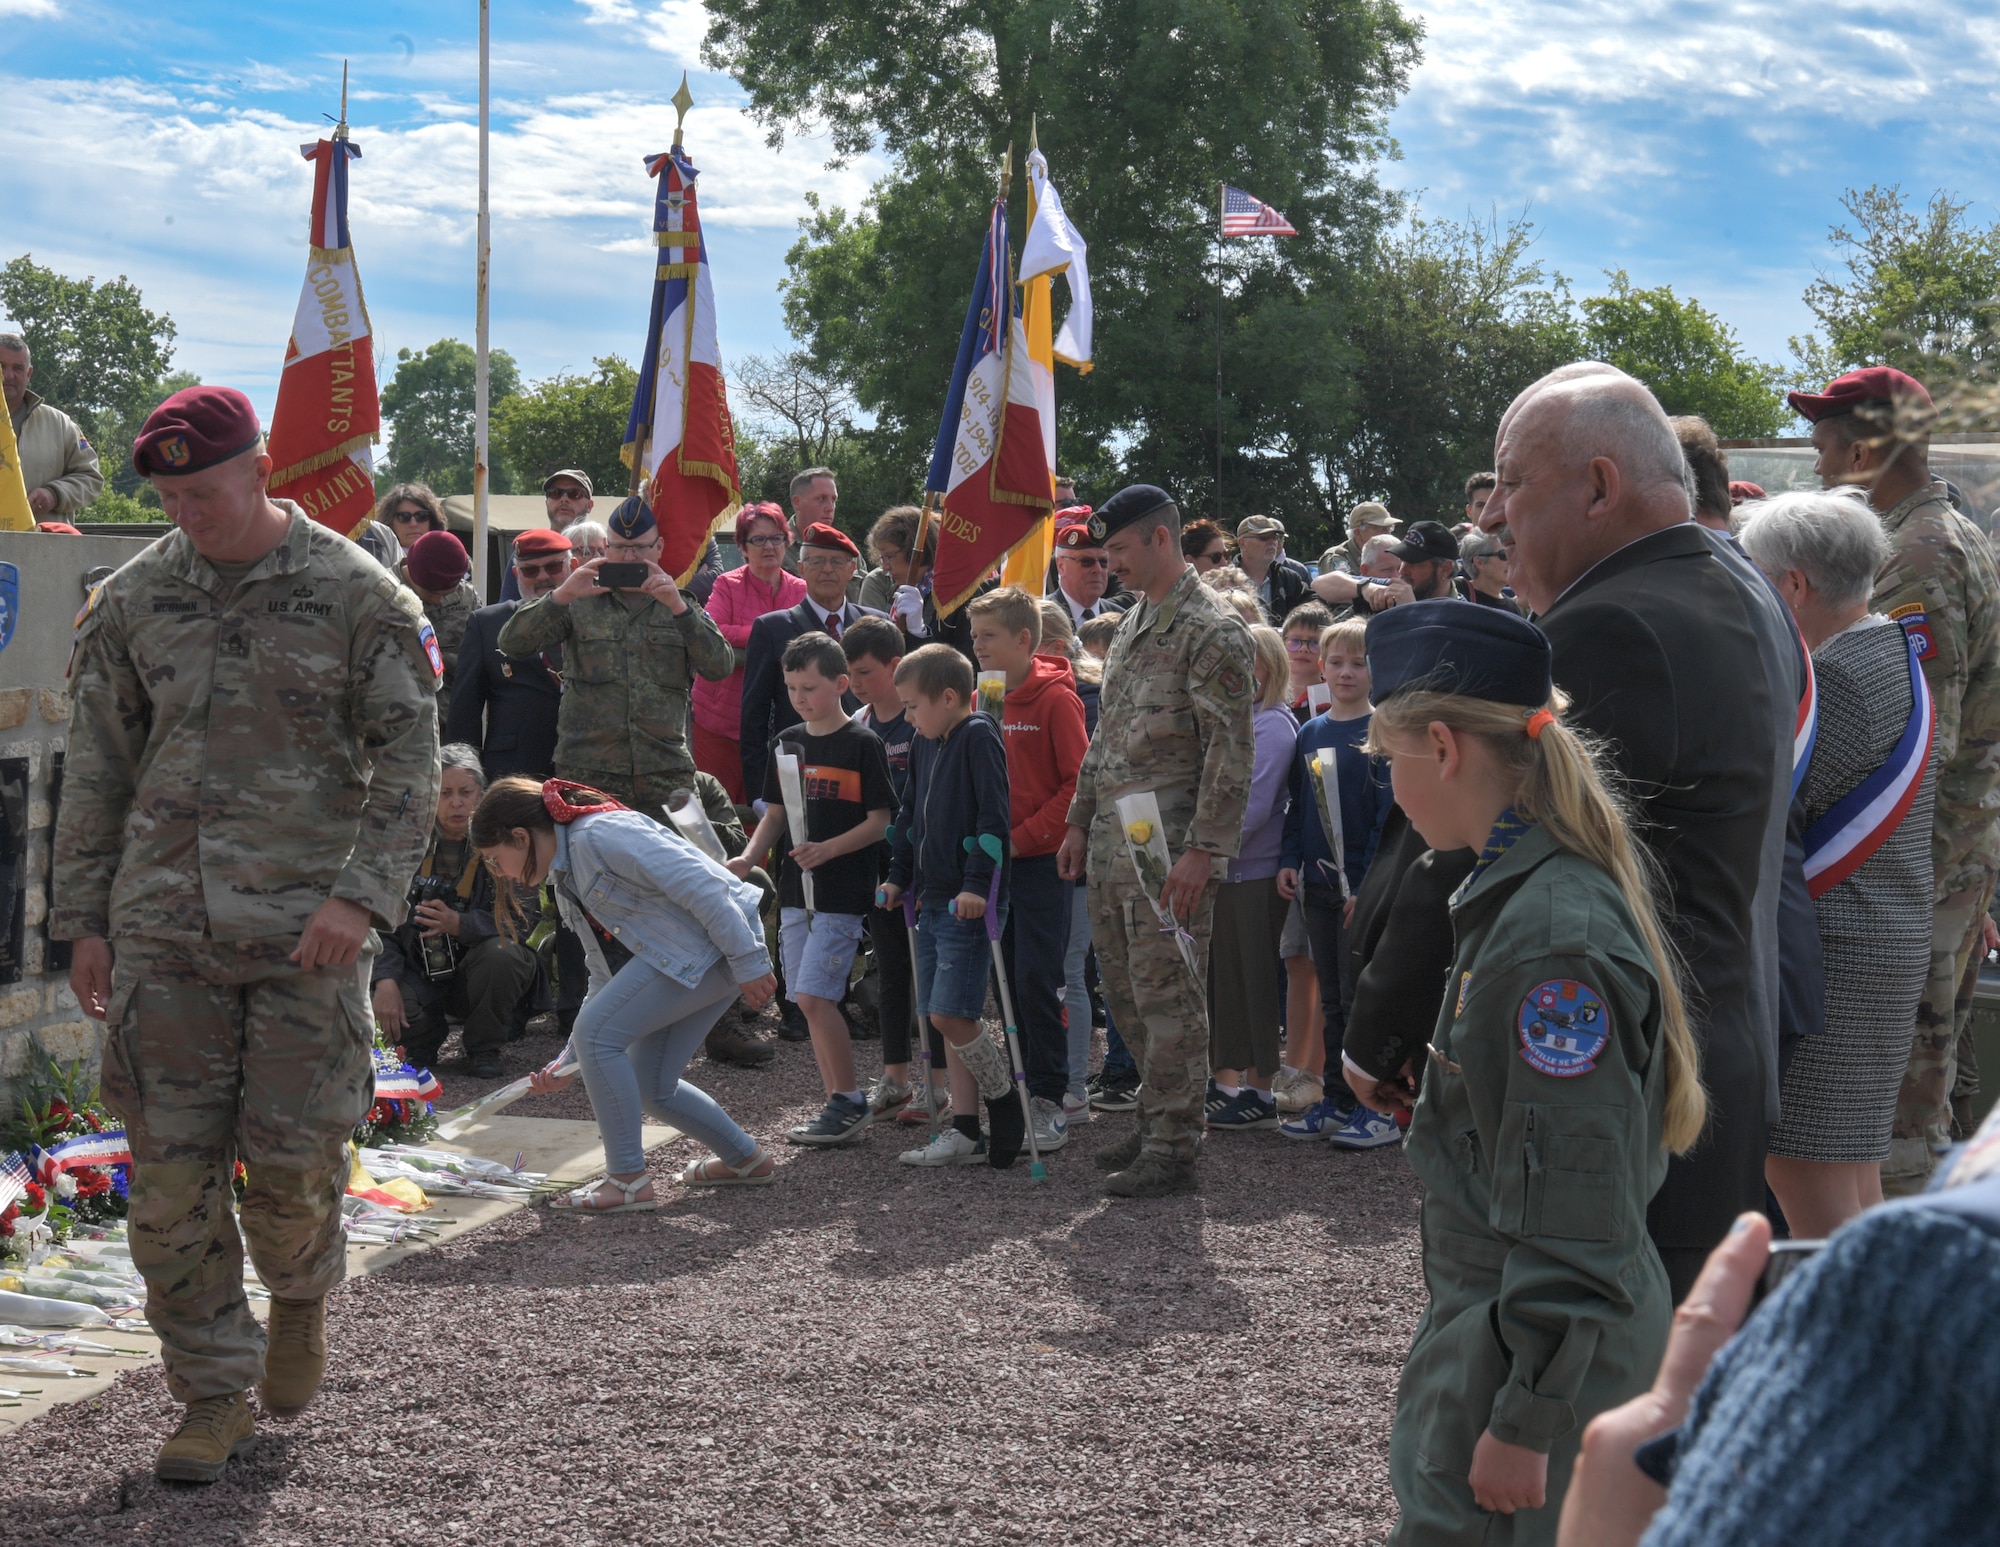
[861,1353]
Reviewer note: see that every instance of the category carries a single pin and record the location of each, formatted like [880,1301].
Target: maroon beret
[539,541]
[194,429]
[820,535]
[61,527]
[1743,489]
[1844,394]
[437,561]
[1073,528]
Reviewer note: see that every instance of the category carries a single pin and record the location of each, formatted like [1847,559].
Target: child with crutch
[1562,1075]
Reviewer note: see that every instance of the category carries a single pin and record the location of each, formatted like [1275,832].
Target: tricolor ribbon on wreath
[108,1148]
[1858,824]
[406,1084]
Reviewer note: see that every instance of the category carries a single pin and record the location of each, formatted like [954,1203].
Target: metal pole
[1220,202]
[484,260]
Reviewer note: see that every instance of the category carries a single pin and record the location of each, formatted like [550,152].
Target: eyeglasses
[1099,562]
[1302,646]
[630,551]
[566,492]
[768,540]
[818,563]
[530,571]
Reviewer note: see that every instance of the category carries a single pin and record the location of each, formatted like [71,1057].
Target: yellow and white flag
[1053,246]
[16,515]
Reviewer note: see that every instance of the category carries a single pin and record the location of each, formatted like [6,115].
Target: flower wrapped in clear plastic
[1146,842]
[1326,790]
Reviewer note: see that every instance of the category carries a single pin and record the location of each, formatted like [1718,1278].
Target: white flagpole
[484,261]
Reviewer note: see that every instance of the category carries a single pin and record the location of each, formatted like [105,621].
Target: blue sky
[1702,145]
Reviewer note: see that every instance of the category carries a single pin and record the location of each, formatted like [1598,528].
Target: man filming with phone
[632,644]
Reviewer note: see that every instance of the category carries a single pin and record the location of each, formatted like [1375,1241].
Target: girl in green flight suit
[1561,1075]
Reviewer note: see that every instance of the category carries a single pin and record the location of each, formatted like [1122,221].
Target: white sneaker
[1051,1131]
[1076,1109]
[949,1148]
[1296,1090]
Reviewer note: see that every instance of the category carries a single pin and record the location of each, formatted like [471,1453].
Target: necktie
[833,625]
[1088,614]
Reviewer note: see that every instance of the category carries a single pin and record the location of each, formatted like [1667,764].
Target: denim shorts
[953,963]
[818,963]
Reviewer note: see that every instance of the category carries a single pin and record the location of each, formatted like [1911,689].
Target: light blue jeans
[633,1038]
[1076,997]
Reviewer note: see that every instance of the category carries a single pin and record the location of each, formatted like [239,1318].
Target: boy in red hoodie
[1046,740]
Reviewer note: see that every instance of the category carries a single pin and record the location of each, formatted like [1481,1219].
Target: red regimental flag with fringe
[328,412]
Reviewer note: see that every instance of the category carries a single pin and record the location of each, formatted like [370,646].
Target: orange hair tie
[1536,721]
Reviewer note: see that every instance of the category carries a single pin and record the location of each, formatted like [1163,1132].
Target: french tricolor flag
[328,412]
[679,434]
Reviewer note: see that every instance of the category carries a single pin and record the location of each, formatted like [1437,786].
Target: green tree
[99,355]
[1454,320]
[568,421]
[430,403]
[1921,292]
[1687,355]
[1140,110]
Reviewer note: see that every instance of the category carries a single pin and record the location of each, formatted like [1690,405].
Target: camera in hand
[440,951]
[622,577]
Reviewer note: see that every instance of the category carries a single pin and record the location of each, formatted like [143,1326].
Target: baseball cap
[1426,540]
[570,472]
[1260,526]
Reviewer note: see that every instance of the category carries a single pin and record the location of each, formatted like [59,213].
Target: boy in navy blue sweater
[948,838]
[1307,868]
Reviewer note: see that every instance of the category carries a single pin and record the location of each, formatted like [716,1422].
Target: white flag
[1054,246]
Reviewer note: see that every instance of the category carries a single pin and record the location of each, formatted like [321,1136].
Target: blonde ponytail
[1567,785]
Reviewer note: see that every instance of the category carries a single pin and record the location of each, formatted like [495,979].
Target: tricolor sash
[1858,824]
[1806,730]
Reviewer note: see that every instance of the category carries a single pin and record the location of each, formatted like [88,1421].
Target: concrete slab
[564,1148]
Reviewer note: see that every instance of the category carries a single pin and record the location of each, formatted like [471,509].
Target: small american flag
[1245,216]
[14,1179]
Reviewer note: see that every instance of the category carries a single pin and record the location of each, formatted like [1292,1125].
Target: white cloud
[29,8]
[671,27]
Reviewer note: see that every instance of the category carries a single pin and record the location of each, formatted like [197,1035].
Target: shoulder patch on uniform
[428,637]
[1563,1026]
[1916,623]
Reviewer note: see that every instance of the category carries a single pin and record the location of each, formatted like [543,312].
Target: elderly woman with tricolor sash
[1867,795]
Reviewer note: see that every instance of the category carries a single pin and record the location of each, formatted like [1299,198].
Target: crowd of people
[1623,850]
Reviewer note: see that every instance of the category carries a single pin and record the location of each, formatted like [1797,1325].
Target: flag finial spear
[1032,146]
[682,100]
[1007,170]
[340,129]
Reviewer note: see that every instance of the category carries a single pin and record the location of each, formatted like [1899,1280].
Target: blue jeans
[633,1039]
[954,965]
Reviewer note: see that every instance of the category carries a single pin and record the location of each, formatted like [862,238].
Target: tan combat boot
[212,1430]
[1118,1157]
[1152,1176]
[296,1357]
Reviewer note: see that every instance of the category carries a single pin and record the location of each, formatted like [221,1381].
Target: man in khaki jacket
[58,464]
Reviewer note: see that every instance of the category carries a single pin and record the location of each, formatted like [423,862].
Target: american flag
[1245,216]
[14,1179]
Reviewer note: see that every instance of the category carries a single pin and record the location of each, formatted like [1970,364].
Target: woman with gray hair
[588,538]
[1867,794]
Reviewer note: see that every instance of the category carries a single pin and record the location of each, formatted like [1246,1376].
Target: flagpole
[1221,198]
[480,403]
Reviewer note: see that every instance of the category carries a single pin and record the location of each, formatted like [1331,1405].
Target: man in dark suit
[827,560]
[506,705]
[1674,651]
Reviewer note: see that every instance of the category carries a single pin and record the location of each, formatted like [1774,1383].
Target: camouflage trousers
[1159,1008]
[215,1052]
[1944,1015]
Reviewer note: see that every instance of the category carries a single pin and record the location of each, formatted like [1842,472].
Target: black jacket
[767,708]
[504,705]
[1290,585]
[1677,658]
[957,791]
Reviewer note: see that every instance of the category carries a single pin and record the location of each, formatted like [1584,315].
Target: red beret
[437,561]
[820,535]
[538,542]
[1844,394]
[1742,489]
[194,429]
[1073,528]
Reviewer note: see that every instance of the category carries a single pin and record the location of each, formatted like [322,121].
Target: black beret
[1132,503]
[632,520]
[1449,646]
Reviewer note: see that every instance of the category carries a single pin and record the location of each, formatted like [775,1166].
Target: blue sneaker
[840,1122]
[1243,1112]
[1321,1119]
[1365,1129]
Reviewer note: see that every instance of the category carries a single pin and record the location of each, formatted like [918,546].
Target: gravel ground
[861,1353]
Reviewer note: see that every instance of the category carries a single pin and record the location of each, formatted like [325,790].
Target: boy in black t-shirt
[845,776]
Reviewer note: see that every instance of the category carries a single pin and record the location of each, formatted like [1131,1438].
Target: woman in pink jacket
[741,596]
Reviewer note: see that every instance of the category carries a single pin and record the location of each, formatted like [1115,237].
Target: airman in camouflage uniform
[252,771]
[1174,718]
[1940,585]
[451,617]
[629,662]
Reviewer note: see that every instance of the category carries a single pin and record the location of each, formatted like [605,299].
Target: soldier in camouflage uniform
[252,771]
[436,568]
[1871,427]
[1174,718]
[629,662]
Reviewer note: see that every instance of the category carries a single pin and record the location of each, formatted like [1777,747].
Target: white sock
[859,1097]
[1264,1096]
[1229,1090]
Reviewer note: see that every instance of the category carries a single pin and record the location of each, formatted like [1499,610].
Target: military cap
[196,428]
[1370,513]
[1073,527]
[1131,504]
[1449,646]
[1877,384]
[822,535]
[1742,491]
[1426,540]
[576,473]
[632,520]
[1260,526]
[437,561]
[539,542]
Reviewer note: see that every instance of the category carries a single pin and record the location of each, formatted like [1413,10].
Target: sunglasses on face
[411,515]
[572,493]
[1218,556]
[1099,562]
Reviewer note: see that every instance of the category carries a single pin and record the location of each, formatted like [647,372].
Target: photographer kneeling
[448,957]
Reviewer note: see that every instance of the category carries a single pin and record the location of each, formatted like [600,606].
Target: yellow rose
[1140,832]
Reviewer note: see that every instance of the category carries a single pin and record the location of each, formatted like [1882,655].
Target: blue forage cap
[1449,646]
[1132,503]
[632,520]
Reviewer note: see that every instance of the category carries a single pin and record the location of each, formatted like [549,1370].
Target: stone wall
[36,1006]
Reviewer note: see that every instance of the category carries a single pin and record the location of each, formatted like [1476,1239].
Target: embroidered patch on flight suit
[428,636]
[1563,1026]
[1233,682]
[1464,983]
[1917,624]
